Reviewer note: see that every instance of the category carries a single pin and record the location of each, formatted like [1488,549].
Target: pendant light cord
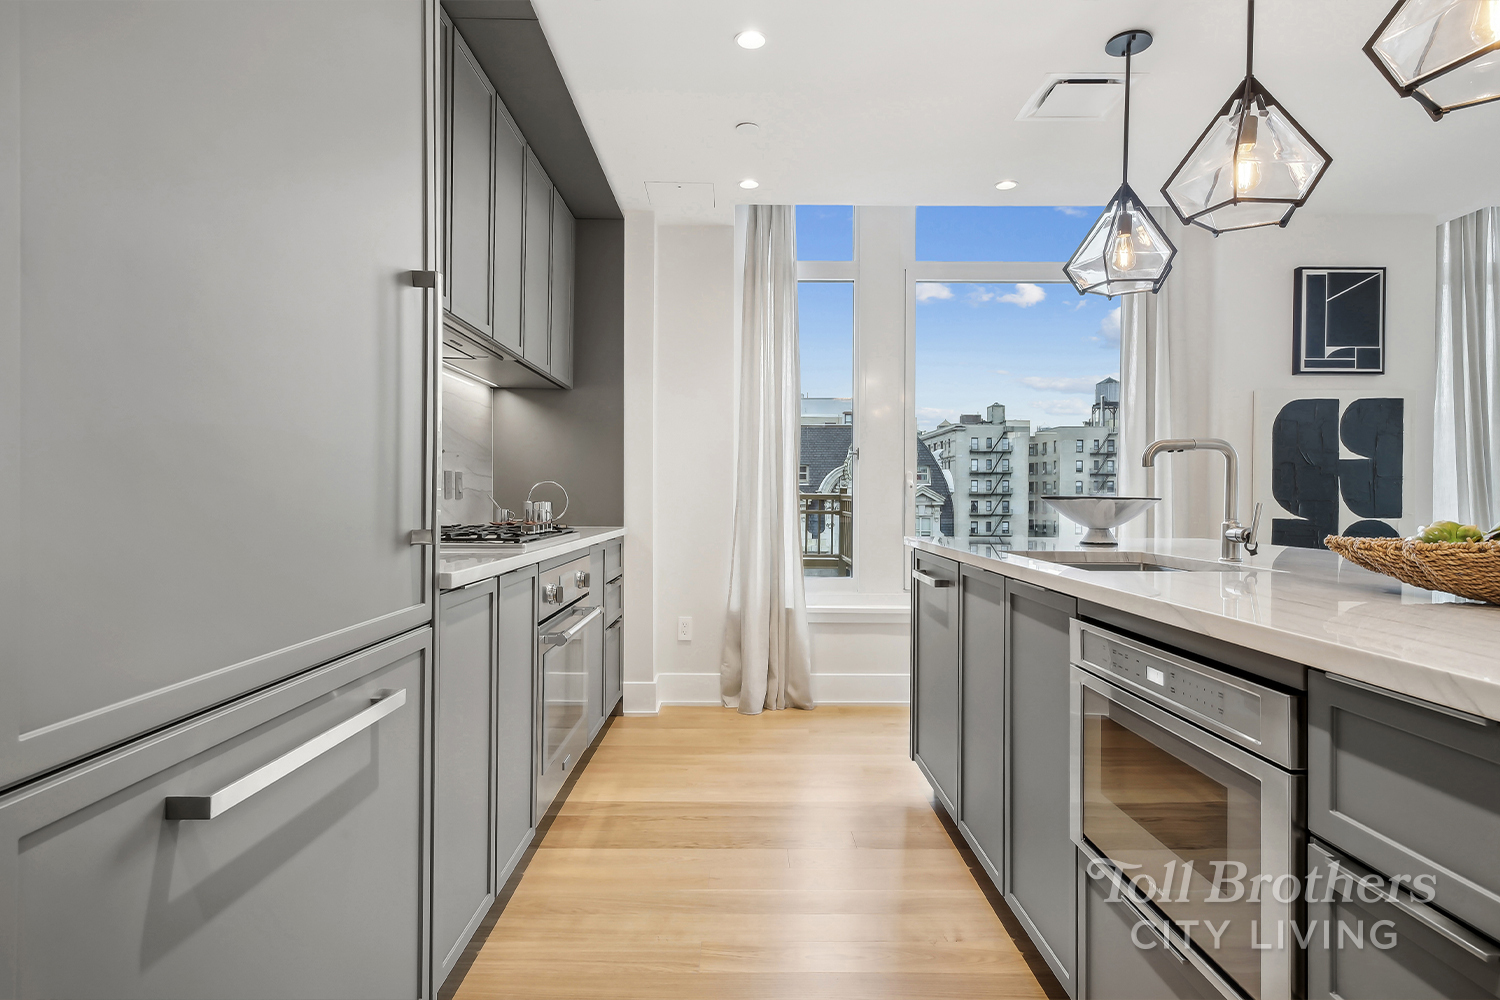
[1249,49]
[1125,158]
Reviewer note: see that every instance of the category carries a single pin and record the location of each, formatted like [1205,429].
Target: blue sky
[1036,348]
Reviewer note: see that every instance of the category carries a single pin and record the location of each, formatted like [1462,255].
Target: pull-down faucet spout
[1233,534]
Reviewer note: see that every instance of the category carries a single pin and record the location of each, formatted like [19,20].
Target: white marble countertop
[460,565]
[1304,605]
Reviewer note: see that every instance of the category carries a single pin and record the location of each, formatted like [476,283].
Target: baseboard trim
[688,689]
[861,689]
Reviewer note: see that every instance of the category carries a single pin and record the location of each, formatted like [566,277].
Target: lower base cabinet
[1040,866]
[614,637]
[515,760]
[981,742]
[310,887]
[1383,949]
[1123,958]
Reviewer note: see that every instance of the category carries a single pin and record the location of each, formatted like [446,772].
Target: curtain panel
[766,660]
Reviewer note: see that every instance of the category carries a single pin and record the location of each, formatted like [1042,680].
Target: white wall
[639,409]
[468,426]
[1237,331]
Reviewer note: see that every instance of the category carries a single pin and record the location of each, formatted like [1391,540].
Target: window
[989,485]
[973,527]
[1109,467]
[973,465]
[1004,527]
[1031,449]
[989,527]
[1080,445]
[1005,465]
[973,486]
[825,317]
[1109,446]
[1005,506]
[989,442]
[1079,465]
[974,443]
[924,527]
[826,232]
[989,465]
[1078,486]
[924,475]
[973,506]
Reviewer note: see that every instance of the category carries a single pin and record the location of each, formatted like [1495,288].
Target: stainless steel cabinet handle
[922,576]
[563,638]
[232,794]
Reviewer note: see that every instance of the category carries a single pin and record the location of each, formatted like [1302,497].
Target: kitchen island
[1098,722]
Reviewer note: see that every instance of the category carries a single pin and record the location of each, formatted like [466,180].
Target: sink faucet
[1233,534]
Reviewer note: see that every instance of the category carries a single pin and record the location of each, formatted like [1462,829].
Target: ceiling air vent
[1075,97]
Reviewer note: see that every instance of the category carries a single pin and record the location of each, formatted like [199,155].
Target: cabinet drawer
[1409,790]
[612,595]
[613,566]
[309,887]
[1388,949]
[613,677]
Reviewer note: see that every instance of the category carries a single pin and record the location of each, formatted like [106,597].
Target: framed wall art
[1338,321]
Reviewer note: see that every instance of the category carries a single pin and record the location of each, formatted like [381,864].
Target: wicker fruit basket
[1468,569]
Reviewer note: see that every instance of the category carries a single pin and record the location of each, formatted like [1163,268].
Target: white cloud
[1025,295]
[1064,407]
[1001,371]
[1070,210]
[1109,327]
[929,290]
[1084,385]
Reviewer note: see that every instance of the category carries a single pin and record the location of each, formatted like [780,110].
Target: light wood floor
[707,854]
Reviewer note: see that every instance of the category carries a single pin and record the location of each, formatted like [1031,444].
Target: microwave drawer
[310,885]
[1409,790]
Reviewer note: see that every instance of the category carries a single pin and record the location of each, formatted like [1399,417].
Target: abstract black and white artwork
[1333,464]
[1338,321]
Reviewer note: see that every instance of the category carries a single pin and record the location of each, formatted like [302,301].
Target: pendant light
[1442,53]
[1126,251]
[1253,165]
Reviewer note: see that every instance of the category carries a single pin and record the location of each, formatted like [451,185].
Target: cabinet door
[471,143]
[515,689]
[311,886]
[934,716]
[510,229]
[463,862]
[563,238]
[252,404]
[1039,869]
[597,595]
[982,771]
[536,280]
[613,675]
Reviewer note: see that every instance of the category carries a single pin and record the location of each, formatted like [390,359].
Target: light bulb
[1486,27]
[1122,250]
[1246,175]
[1246,168]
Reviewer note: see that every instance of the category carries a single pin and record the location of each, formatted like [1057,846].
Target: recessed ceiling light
[747,128]
[747,184]
[751,39]
[1005,186]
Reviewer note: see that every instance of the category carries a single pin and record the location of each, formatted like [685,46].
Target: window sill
[858,609]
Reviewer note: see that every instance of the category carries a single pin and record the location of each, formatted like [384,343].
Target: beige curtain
[767,659]
[1466,449]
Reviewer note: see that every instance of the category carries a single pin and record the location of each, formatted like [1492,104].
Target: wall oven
[569,633]
[1185,796]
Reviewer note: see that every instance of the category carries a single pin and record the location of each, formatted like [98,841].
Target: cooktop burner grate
[501,534]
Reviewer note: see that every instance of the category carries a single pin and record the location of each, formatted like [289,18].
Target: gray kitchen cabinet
[1040,857]
[310,886]
[982,731]
[464,759]
[1123,957]
[934,713]
[1408,788]
[614,688]
[267,366]
[564,235]
[471,190]
[1405,947]
[515,698]
[510,228]
[597,590]
[536,273]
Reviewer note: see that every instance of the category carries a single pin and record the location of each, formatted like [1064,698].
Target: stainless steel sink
[1115,561]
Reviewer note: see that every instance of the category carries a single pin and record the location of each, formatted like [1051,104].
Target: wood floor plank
[702,853]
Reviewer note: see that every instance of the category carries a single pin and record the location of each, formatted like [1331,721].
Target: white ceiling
[879,103]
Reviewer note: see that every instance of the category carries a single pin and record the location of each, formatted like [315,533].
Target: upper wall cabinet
[535,311]
[509,240]
[560,326]
[471,118]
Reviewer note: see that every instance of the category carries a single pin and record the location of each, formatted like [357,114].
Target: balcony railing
[1002,446]
[996,532]
[1003,486]
[1042,529]
[827,534]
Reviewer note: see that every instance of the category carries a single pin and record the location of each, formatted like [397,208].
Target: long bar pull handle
[1408,699]
[922,576]
[563,638]
[216,804]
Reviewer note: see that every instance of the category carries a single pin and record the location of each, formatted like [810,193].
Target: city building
[1073,460]
[979,457]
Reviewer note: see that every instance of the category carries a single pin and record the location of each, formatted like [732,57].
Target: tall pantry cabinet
[216,440]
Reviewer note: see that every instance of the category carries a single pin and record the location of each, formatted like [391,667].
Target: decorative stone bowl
[1100,514]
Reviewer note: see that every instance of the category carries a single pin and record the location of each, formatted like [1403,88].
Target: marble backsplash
[468,449]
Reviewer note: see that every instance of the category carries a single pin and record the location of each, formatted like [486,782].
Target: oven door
[1204,829]
[566,642]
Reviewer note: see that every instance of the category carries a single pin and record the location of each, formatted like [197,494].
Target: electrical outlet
[685,629]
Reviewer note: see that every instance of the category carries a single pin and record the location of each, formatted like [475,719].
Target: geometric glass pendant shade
[1442,53]
[1253,166]
[1126,251]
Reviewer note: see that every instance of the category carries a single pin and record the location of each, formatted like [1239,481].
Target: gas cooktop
[512,535]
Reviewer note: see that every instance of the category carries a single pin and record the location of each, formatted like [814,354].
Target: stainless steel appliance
[1185,781]
[570,629]
[502,536]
